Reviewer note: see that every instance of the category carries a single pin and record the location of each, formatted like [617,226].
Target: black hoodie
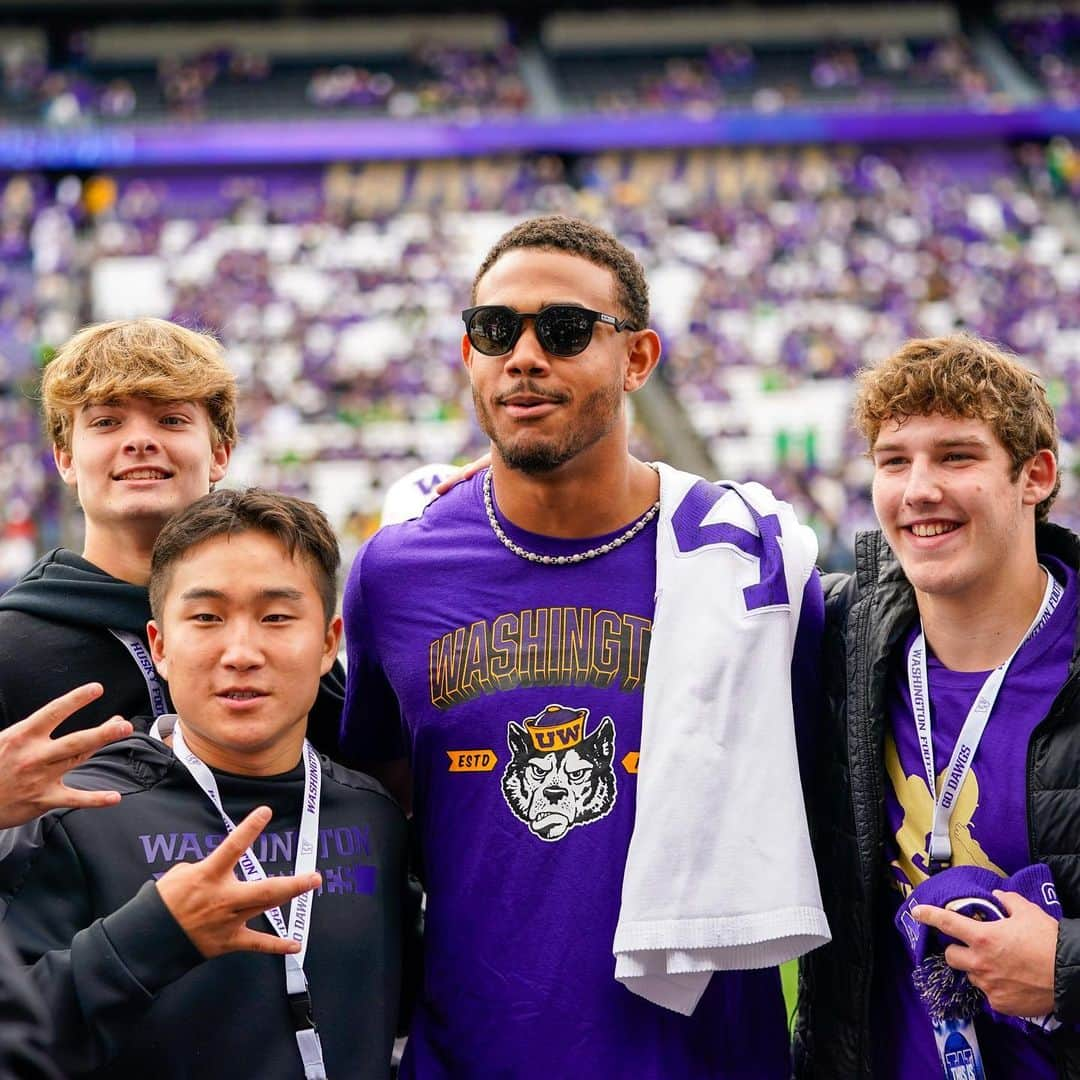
[54,636]
[127,992]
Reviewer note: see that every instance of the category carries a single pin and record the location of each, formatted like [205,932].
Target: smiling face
[959,521]
[135,462]
[243,640]
[540,410]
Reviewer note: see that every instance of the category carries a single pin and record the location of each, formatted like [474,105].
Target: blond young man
[963,605]
[142,418]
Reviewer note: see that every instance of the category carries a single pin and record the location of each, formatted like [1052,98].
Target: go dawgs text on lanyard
[296,984]
[971,733]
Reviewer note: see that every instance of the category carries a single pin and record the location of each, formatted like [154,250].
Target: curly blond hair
[961,375]
[148,358]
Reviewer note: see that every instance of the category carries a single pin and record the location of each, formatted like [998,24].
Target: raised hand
[213,907]
[32,763]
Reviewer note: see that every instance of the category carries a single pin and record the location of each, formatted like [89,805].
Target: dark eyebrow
[279,593]
[202,594]
[969,440]
[941,444]
[282,593]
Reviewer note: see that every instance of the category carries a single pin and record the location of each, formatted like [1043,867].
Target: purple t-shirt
[520,693]
[988,827]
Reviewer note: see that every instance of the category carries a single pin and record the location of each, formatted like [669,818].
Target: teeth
[933,529]
[242,695]
[144,474]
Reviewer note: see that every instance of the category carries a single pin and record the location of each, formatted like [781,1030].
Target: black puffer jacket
[866,614]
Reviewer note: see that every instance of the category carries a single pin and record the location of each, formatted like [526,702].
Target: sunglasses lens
[564,331]
[492,330]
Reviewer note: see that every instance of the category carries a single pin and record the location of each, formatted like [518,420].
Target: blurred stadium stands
[807,188]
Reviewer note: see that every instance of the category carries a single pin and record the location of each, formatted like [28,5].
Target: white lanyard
[159,702]
[971,733]
[307,843]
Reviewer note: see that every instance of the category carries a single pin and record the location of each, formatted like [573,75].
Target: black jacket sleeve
[97,975]
[1067,973]
[24,1029]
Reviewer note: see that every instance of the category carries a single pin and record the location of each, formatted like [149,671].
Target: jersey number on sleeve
[691,535]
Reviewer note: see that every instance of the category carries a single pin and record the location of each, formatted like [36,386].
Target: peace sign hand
[32,763]
[213,907]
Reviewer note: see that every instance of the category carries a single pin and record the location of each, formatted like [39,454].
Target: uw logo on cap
[556,728]
[560,775]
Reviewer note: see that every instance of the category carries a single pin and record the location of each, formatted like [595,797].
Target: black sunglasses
[561,329]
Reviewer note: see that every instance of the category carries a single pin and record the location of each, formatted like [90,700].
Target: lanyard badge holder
[298,994]
[967,742]
[958,1049]
[957,1043]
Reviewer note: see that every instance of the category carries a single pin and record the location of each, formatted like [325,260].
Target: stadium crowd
[71,82]
[878,75]
[1047,43]
[230,81]
[334,296]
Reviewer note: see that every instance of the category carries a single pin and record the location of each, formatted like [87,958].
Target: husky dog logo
[558,776]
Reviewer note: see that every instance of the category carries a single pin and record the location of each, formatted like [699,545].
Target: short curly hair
[558,233]
[961,375]
[149,358]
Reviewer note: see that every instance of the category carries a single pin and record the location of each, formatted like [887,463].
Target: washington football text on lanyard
[296,984]
[967,741]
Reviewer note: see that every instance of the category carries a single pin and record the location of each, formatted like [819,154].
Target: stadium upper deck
[775,274]
[696,63]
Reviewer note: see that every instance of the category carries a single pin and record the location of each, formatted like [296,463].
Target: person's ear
[219,461]
[65,465]
[466,353]
[1038,476]
[641,358]
[331,644]
[157,648]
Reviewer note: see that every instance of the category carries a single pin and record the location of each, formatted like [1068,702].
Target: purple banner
[280,142]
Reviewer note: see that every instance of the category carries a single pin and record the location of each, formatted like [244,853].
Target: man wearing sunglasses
[498,647]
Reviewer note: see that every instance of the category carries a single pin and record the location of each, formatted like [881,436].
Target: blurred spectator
[769,76]
[1048,45]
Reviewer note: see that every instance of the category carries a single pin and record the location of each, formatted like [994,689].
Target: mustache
[527,386]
